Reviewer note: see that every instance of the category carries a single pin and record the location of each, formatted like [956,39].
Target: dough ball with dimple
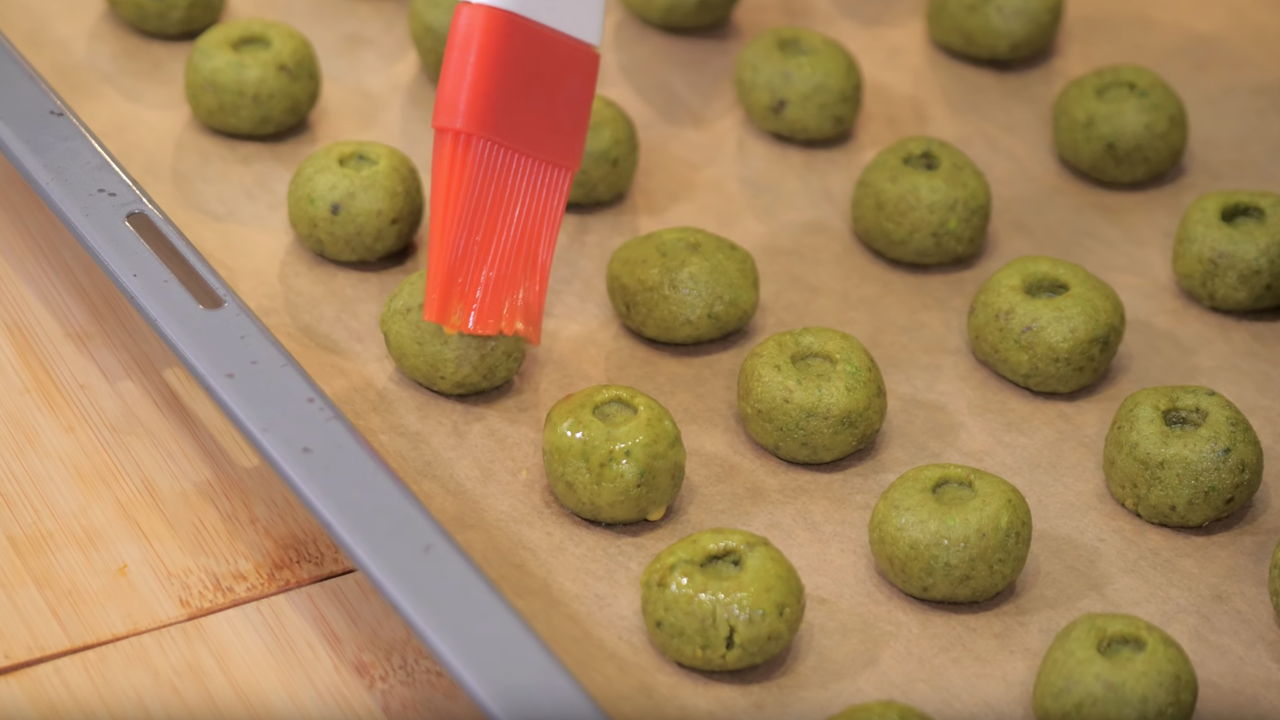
[721,599]
[1121,125]
[922,201]
[1046,324]
[448,363]
[1275,580]
[429,22]
[683,285]
[881,710]
[950,533]
[613,454]
[1181,456]
[252,78]
[609,158]
[812,395]
[168,18]
[1114,667]
[355,201]
[799,84]
[995,30]
[682,15]
[1227,253]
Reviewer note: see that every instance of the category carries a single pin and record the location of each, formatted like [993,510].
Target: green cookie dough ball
[682,15]
[613,455]
[683,285]
[429,22]
[1227,255]
[252,78]
[721,599]
[1275,580]
[1181,456]
[448,363]
[950,533]
[609,159]
[798,84]
[1121,125]
[995,30]
[168,18]
[922,201]
[812,395]
[880,710]
[355,201]
[1046,324]
[1114,667]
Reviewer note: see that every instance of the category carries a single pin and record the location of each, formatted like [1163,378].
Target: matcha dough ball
[1120,125]
[1114,667]
[812,395]
[682,15]
[609,159]
[1275,580]
[799,85]
[880,710]
[168,18]
[613,455]
[1181,456]
[922,201]
[355,201]
[429,22]
[950,533]
[1227,255]
[683,285]
[252,78]
[448,363]
[995,30]
[1046,324]
[721,599]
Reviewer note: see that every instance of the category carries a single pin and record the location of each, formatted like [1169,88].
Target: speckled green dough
[812,395]
[355,201]
[609,159]
[995,30]
[1114,667]
[922,201]
[1275,580]
[448,363]
[1181,456]
[168,18]
[429,22]
[1046,324]
[613,455]
[950,533]
[682,15]
[1121,125]
[721,599]
[798,84]
[880,710]
[1227,254]
[252,78]
[683,285]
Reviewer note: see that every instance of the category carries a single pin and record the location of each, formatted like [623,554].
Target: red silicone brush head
[511,115]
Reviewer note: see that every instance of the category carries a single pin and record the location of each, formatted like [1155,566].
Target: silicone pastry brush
[511,114]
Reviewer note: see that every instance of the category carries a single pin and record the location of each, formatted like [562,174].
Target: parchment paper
[476,462]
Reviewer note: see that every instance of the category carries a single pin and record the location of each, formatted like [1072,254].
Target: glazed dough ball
[880,710]
[609,158]
[798,84]
[995,30]
[429,22]
[168,18]
[1227,254]
[682,15]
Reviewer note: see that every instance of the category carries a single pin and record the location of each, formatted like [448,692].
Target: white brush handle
[582,19]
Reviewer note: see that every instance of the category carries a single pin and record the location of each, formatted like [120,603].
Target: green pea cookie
[1114,667]
[1046,324]
[1181,456]
[799,85]
[613,455]
[950,533]
[812,395]
[1121,125]
[609,159]
[448,363]
[995,30]
[721,599]
[1275,580]
[355,201]
[880,710]
[168,18]
[429,22]
[1227,254]
[922,201]
[682,15]
[683,285]
[252,78]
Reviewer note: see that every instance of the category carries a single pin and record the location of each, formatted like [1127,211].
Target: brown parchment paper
[476,462]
